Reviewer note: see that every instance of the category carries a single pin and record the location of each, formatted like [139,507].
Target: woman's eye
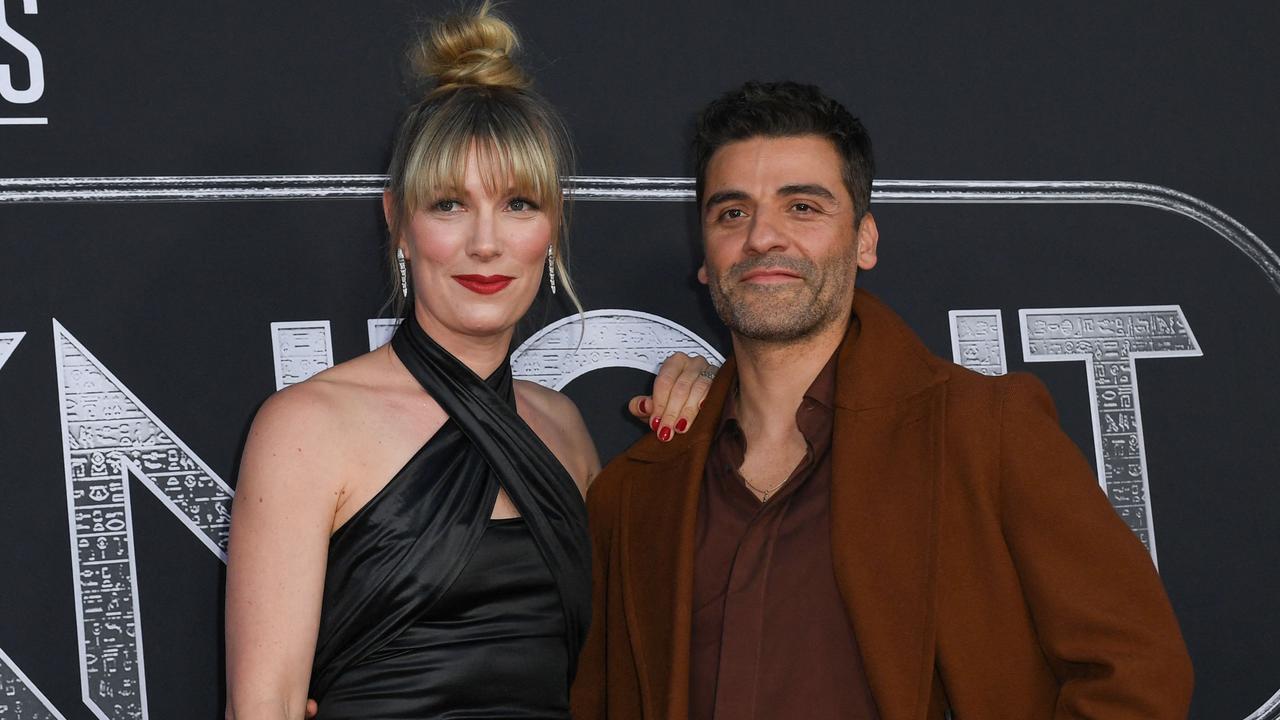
[521,205]
[446,206]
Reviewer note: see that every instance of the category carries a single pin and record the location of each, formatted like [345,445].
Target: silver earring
[551,267]
[404,273]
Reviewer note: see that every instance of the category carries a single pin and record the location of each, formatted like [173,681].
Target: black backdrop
[176,299]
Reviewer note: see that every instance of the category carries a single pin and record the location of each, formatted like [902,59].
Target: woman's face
[476,257]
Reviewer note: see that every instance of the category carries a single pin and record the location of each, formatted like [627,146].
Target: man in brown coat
[855,528]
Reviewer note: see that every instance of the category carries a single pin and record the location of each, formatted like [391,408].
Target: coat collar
[885,364]
[888,363]
[883,519]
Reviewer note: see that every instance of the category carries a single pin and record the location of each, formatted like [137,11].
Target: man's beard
[785,312]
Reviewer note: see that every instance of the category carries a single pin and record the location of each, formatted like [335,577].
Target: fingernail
[657,420]
[644,406]
[664,434]
[680,426]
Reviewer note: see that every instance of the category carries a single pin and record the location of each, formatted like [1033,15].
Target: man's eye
[732,214]
[445,206]
[802,207]
[521,205]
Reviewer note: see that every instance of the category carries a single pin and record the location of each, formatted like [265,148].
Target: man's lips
[484,284]
[769,275]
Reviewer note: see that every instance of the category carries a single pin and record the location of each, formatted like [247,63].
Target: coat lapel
[884,504]
[660,513]
[887,449]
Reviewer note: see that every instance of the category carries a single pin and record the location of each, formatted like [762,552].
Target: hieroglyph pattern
[576,345]
[1109,340]
[381,330]
[300,350]
[8,343]
[109,436]
[20,699]
[977,341]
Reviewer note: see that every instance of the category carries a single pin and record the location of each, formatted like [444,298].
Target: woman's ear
[388,206]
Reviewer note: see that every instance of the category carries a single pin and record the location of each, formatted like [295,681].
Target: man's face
[781,246]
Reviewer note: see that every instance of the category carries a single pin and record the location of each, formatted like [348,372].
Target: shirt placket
[744,625]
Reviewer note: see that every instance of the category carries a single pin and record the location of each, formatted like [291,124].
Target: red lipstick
[484,284]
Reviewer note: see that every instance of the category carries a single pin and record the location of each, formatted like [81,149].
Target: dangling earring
[551,267]
[404,273]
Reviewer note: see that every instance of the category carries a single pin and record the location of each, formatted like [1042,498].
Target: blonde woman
[409,538]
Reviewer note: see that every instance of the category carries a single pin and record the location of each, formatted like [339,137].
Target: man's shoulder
[605,492]
[632,467]
[967,386]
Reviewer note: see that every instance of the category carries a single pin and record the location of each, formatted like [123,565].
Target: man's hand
[682,383]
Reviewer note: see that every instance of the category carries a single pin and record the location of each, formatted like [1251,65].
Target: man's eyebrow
[725,196]
[806,189]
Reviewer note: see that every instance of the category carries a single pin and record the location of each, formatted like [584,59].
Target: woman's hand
[682,383]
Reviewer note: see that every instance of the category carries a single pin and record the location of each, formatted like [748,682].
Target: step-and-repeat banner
[189,220]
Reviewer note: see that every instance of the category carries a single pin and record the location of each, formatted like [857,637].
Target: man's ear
[702,273]
[868,237]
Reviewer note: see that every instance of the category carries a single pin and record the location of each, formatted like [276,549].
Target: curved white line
[1270,709]
[578,344]
[175,188]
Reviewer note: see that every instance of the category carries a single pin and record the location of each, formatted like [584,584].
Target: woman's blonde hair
[478,100]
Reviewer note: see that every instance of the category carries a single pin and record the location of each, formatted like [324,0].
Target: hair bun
[471,49]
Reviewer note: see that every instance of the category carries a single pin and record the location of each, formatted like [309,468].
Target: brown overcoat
[980,563]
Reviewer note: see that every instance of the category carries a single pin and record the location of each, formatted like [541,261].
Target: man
[855,528]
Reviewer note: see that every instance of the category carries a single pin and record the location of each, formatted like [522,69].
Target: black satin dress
[431,609]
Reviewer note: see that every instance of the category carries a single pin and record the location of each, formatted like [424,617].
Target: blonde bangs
[521,147]
[511,157]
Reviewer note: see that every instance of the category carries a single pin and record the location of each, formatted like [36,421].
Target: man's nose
[764,235]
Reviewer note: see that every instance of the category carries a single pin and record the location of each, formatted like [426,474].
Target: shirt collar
[821,391]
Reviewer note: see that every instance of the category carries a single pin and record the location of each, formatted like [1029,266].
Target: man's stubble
[790,312]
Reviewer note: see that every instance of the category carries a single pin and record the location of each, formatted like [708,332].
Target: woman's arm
[281,520]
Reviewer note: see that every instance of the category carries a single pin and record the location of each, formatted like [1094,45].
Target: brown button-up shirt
[771,637]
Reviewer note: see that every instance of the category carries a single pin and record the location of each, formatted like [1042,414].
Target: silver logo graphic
[1109,340]
[300,349]
[9,343]
[20,699]
[977,341]
[109,436]
[572,347]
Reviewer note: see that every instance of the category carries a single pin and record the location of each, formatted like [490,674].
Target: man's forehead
[762,164]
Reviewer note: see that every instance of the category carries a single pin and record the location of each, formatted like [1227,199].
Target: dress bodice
[431,610]
[492,646]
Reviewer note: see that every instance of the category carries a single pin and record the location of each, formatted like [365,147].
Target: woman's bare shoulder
[324,415]
[556,419]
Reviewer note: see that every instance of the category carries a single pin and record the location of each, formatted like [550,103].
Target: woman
[393,578]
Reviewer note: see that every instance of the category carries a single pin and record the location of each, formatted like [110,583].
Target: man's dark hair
[786,109]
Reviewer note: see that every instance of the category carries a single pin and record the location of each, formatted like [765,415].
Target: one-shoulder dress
[431,609]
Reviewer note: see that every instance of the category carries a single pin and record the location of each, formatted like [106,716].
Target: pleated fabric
[415,622]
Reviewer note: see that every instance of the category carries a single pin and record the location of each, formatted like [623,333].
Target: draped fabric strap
[539,486]
[400,553]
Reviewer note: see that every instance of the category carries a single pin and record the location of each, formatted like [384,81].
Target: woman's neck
[482,354]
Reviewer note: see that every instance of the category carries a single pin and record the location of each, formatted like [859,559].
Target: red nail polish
[664,434]
[680,426]
[657,420]
[644,406]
